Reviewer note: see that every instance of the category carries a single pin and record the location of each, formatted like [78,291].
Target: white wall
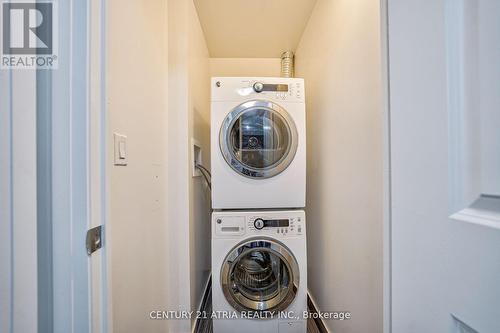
[245,67]
[199,129]
[178,157]
[340,58]
[188,200]
[137,107]
[262,28]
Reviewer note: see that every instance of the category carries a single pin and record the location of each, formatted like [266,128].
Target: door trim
[386,126]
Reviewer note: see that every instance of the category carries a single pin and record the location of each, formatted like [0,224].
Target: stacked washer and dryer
[259,261]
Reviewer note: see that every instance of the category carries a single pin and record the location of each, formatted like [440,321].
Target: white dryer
[259,271]
[258,143]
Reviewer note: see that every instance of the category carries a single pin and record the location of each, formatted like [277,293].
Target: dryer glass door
[258,139]
[260,276]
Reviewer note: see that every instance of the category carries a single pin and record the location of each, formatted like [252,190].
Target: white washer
[259,268]
[258,143]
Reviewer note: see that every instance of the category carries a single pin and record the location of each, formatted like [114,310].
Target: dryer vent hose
[287,65]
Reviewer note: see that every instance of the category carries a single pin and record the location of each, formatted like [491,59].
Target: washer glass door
[260,275]
[258,139]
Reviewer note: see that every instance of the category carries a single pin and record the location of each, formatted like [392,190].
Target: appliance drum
[260,275]
[258,139]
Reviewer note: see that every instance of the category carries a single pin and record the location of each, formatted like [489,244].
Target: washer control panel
[277,224]
[291,226]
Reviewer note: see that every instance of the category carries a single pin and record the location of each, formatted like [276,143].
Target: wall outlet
[196,157]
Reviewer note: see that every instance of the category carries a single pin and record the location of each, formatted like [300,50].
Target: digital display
[276,87]
[277,223]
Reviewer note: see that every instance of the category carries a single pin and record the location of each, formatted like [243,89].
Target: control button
[258,87]
[258,224]
[286,231]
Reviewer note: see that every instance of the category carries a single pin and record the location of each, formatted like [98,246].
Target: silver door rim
[244,169]
[242,303]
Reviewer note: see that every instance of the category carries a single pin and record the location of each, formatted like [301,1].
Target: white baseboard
[202,300]
[324,328]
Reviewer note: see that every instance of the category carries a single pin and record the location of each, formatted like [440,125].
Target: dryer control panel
[278,89]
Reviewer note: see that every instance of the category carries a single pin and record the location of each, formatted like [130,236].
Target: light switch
[122,153]
[120,144]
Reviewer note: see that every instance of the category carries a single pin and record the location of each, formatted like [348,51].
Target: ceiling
[253,28]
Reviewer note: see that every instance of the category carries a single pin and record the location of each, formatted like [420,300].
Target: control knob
[258,87]
[258,224]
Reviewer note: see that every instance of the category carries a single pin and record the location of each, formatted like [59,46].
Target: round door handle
[258,224]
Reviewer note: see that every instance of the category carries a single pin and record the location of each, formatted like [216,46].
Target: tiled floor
[205,325]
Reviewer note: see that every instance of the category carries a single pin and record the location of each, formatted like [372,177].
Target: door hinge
[94,239]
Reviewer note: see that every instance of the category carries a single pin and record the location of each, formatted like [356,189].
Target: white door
[18,208]
[444,61]
[52,183]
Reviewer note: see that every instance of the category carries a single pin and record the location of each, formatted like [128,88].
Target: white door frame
[74,98]
[79,149]
[387,168]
